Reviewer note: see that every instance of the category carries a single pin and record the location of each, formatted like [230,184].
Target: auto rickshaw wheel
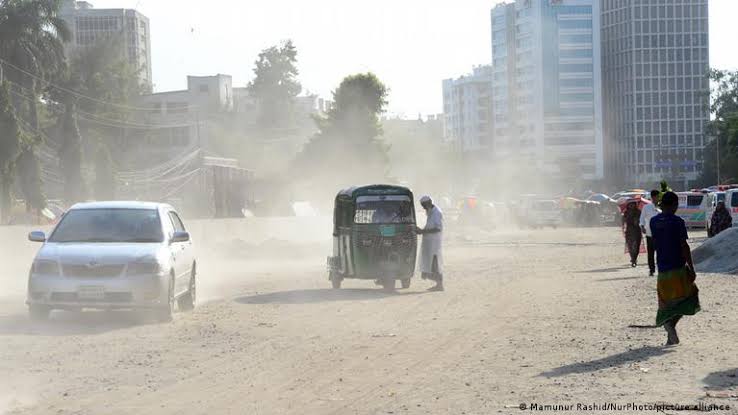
[336,280]
[405,283]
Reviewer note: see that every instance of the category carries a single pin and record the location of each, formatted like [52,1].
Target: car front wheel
[187,301]
[164,313]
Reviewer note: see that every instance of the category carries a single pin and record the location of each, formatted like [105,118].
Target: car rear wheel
[388,284]
[39,312]
[336,280]
[187,301]
[405,283]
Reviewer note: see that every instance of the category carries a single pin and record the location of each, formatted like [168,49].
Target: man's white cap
[426,199]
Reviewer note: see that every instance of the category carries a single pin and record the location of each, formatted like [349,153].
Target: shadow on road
[320,296]
[635,355]
[722,380]
[619,279]
[67,323]
[602,270]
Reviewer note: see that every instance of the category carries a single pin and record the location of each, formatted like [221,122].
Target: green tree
[10,146]
[70,157]
[32,37]
[347,149]
[723,129]
[276,86]
[103,75]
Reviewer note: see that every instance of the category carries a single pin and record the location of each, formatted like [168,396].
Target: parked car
[114,255]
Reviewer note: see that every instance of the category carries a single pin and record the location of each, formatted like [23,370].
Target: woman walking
[632,229]
[721,220]
[677,292]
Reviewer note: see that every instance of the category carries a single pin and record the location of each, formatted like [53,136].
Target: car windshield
[384,212]
[109,226]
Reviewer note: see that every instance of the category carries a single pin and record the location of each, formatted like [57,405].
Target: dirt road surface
[528,317]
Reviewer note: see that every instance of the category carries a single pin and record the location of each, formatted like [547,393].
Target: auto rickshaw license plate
[387,230]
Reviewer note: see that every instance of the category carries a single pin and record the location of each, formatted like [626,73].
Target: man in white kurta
[431,258]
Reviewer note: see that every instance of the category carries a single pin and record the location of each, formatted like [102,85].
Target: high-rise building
[466,110]
[547,104]
[655,65]
[89,25]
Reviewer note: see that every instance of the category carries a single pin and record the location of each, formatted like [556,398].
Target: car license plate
[91,293]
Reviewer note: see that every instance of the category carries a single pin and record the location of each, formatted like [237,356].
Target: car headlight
[143,268]
[45,267]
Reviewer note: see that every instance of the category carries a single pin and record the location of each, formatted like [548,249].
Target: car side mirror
[37,236]
[180,237]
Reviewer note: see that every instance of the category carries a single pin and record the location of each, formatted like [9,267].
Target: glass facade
[656,90]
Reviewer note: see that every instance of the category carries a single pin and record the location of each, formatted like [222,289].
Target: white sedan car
[114,255]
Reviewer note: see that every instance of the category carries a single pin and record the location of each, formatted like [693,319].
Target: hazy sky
[410,44]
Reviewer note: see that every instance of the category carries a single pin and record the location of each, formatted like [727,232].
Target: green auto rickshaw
[374,236]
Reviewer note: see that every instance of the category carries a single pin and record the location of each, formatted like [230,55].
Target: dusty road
[528,317]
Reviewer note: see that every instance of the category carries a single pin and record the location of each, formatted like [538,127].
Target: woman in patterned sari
[677,293]
[632,229]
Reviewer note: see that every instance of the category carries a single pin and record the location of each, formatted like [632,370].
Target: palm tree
[32,37]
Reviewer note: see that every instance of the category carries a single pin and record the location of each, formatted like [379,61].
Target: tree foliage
[10,145]
[102,73]
[723,130]
[276,86]
[347,150]
[32,37]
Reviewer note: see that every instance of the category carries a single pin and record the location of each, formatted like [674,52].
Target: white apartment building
[89,25]
[546,77]
[466,111]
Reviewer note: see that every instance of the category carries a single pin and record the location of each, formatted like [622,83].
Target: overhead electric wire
[181,186]
[75,93]
[109,122]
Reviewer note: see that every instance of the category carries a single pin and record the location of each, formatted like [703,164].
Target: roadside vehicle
[731,202]
[708,204]
[543,213]
[691,209]
[114,255]
[374,236]
[629,194]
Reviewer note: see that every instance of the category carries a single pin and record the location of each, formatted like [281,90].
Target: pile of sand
[718,254]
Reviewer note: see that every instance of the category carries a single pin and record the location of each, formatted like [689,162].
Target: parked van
[691,209]
[731,202]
